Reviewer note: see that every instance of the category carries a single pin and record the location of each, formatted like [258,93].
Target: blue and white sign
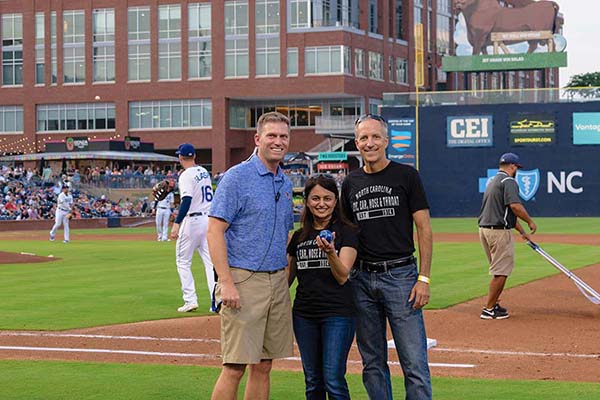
[528,181]
[469,131]
[401,146]
[586,128]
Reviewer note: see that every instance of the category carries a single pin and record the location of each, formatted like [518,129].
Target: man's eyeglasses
[365,117]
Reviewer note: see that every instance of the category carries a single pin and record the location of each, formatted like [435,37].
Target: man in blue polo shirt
[249,221]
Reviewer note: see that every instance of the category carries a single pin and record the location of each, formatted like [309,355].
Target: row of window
[173,114]
[319,60]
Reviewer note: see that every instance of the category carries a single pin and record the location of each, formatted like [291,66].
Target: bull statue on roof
[486,16]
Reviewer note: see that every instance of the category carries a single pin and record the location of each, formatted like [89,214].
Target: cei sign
[469,131]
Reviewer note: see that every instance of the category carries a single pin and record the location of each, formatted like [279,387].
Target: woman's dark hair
[327,182]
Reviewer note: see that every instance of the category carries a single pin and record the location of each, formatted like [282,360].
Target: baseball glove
[161,190]
[69,215]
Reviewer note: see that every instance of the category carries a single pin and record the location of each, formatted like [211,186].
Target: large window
[199,42]
[267,38]
[318,13]
[236,39]
[12,49]
[327,60]
[104,45]
[169,42]
[301,112]
[40,59]
[74,46]
[359,63]
[267,56]
[170,114]
[53,51]
[443,26]
[399,15]
[11,119]
[373,18]
[401,72]
[138,28]
[76,117]
[375,66]
[292,61]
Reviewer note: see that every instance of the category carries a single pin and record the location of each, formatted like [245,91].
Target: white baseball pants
[162,223]
[61,219]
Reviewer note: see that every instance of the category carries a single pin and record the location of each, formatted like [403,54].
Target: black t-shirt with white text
[382,204]
[318,294]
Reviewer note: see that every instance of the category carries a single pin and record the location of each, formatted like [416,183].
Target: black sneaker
[500,308]
[494,313]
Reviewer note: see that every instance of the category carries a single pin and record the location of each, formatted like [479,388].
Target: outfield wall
[459,148]
[83,223]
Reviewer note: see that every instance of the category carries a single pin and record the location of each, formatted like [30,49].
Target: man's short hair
[375,117]
[272,116]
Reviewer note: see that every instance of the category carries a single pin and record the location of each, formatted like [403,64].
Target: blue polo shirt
[258,207]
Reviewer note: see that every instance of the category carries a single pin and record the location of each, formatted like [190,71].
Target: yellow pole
[419,81]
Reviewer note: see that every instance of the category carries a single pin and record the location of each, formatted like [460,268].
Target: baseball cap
[510,158]
[186,150]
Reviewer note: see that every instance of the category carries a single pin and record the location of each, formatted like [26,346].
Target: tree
[591,80]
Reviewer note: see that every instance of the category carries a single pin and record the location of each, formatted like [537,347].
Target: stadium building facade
[168,71]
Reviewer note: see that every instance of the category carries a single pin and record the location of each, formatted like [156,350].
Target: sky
[582,30]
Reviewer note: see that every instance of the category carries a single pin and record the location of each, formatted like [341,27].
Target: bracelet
[424,279]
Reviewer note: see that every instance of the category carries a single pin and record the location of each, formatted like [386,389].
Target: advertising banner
[532,129]
[503,62]
[77,143]
[401,146]
[469,131]
[586,128]
[132,143]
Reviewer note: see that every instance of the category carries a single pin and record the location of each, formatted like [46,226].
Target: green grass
[568,225]
[103,282]
[48,380]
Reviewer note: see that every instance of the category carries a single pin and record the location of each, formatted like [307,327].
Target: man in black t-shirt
[384,199]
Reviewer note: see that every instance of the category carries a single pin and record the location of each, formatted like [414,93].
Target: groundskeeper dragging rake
[583,287]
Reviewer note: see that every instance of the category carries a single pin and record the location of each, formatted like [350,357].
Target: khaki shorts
[499,249]
[262,328]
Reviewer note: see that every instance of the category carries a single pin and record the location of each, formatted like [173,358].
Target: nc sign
[469,131]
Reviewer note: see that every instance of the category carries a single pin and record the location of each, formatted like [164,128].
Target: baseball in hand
[326,235]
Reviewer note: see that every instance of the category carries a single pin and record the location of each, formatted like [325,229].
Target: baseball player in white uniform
[195,189]
[64,203]
[163,212]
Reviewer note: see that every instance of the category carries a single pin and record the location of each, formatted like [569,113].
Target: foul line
[87,336]
[189,355]
[134,352]
[515,353]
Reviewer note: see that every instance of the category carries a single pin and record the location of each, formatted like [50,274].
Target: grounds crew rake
[583,287]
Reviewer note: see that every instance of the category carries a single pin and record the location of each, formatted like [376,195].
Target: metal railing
[502,96]
[123,181]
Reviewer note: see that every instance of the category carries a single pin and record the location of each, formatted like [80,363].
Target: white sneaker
[65,241]
[52,237]
[187,307]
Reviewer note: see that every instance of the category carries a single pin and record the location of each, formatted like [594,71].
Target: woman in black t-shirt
[323,309]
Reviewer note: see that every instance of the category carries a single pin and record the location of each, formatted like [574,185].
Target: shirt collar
[262,168]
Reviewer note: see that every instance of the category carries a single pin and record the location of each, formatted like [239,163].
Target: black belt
[163,208]
[62,209]
[383,266]
[494,227]
[197,214]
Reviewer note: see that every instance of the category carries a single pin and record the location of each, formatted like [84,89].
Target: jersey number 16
[207,193]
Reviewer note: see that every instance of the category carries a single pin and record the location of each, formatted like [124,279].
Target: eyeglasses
[328,176]
[365,117]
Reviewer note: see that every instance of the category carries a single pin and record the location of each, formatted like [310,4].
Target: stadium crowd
[25,195]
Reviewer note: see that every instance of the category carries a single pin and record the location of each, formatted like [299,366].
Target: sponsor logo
[78,142]
[529,182]
[469,131]
[586,128]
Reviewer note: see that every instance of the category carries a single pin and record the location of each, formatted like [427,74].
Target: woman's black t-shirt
[318,294]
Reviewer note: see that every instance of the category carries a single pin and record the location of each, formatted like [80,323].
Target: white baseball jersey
[64,201]
[167,201]
[195,182]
